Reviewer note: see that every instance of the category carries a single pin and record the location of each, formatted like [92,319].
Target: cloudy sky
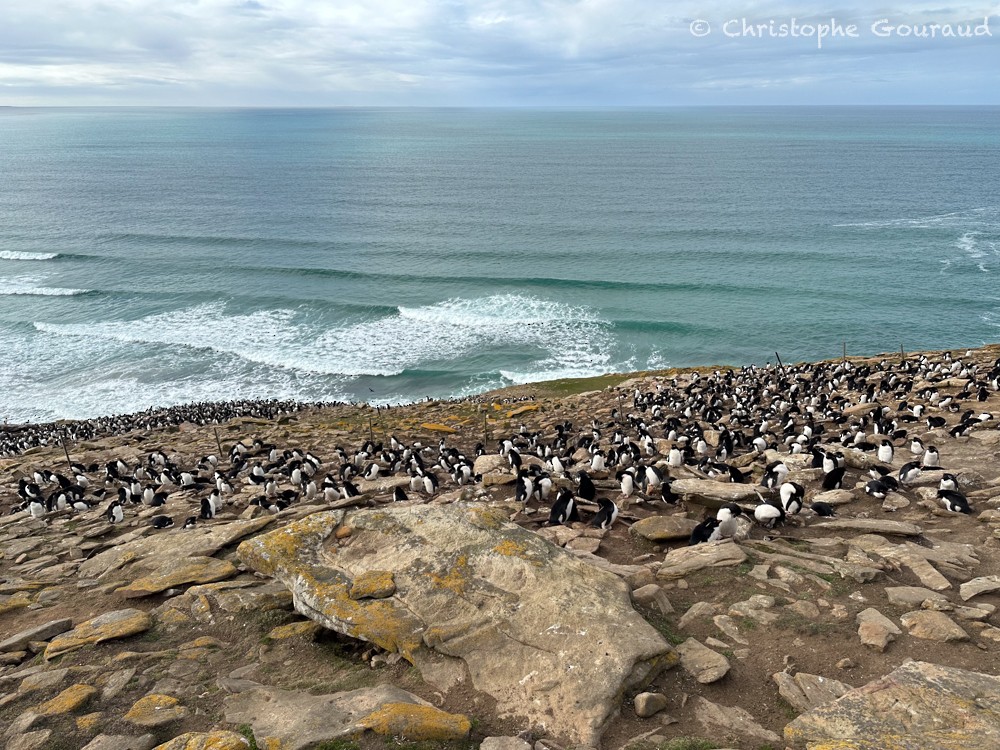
[482,52]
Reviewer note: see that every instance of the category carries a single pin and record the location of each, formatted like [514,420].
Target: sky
[562,53]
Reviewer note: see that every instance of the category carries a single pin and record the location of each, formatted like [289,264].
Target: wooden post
[218,442]
[782,366]
[845,351]
[902,354]
[371,433]
[486,430]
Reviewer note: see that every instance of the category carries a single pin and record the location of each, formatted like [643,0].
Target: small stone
[727,626]
[912,596]
[701,662]
[804,609]
[653,596]
[805,692]
[121,742]
[179,571]
[977,586]
[43,680]
[38,633]
[504,743]
[650,704]
[12,658]
[697,611]
[664,528]
[933,626]
[846,663]
[584,544]
[876,630]
[155,710]
[116,682]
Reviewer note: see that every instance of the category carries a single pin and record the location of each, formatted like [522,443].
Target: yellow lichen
[89,722]
[417,723]
[434,427]
[218,740]
[510,548]
[20,600]
[456,578]
[373,584]
[155,709]
[69,700]
[294,629]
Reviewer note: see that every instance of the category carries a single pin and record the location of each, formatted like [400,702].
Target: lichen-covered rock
[177,572]
[686,560]
[416,723]
[918,705]
[299,720]
[42,632]
[109,626]
[808,691]
[933,626]
[702,663]
[295,630]
[155,710]
[664,528]
[217,740]
[69,700]
[548,636]
[373,584]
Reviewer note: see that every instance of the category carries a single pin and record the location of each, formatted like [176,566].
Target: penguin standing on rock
[161,522]
[954,501]
[910,472]
[885,452]
[563,509]
[115,513]
[606,515]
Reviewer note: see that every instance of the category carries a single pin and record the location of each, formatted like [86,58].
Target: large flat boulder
[300,720]
[552,639]
[918,705]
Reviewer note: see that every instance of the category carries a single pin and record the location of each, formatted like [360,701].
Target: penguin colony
[590,473]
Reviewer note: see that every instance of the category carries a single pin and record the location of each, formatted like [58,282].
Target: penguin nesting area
[689,559]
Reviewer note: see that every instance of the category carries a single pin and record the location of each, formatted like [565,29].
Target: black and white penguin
[563,509]
[399,496]
[769,514]
[626,481]
[586,488]
[835,479]
[885,452]
[823,509]
[703,532]
[916,446]
[954,501]
[792,494]
[948,482]
[115,513]
[910,472]
[877,489]
[207,509]
[930,458]
[525,487]
[161,522]
[727,517]
[191,522]
[607,513]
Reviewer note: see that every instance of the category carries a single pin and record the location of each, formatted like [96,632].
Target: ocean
[150,257]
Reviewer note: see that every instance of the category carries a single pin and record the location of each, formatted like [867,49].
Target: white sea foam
[25,286]
[566,338]
[928,222]
[20,255]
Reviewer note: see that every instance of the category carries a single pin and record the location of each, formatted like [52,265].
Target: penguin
[930,458]
[916,446]
[885,452]
[910,472]
[954,501]
[626,481]
[525,487]
[190,522]
[161,522]
[835,479]
[948,482]
[563,509]
[703,531]
[606,515]
[399,496]
[115,513]
[207,509]
[822,509]
[586,488]
[791,494]
[36,508]
[728,525]
[876,488]
[769,514]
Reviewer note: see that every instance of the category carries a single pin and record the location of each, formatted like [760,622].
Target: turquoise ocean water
[158,256]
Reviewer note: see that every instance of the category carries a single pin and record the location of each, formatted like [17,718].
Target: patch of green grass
[748,623]
[394,744]
[247,732]
[269,619]
[341,744]
[664,627]
[688,743]
[744,568]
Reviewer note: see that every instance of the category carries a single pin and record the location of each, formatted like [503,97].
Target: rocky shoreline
[374,578]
